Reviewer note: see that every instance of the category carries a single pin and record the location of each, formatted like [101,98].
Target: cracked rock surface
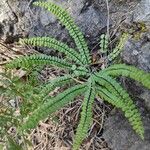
[120,136]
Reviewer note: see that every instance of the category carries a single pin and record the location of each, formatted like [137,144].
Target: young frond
[103,43]
[74,31]
[130,110]
[86,115]
[131,72]
[53,43]
[52,105]
[29,61]
[117,50]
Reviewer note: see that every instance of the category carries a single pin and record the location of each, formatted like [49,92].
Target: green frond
[29,61]
[52,84]
[117,50]
[103,43]
[53,43]
[115,88]
[52,105]
[130,110]
[86,115]
[12,144]
[131,72]
[74,31]
[112,85]
[80,71]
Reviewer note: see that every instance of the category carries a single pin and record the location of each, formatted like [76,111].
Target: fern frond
[51,85]
[112,86]
[29,61]
[12,144]
[131,72]
[53,43]
[74,31]
[53,105]
[80,71]
[130,110]
[86,115]
[117,50]
[103,43]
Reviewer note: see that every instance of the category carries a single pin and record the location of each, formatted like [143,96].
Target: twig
[108,17]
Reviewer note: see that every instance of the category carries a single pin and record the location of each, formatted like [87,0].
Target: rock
[89,20]
[137,53]
[142,12]
[7,20]
[46,18]
[92,21]
[120,136]
[16,20]
[25,19]
[145,95]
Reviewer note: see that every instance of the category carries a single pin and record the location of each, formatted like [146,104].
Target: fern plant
[85,80]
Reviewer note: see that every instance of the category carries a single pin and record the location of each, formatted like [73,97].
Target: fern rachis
[87,81]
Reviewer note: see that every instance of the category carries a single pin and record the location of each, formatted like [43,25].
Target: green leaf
[86,115]
[51,85]
[53,43]
[12,145]
[29,61]
[130,72]
[52,105]
[74,31]
[130,110]
[117,50]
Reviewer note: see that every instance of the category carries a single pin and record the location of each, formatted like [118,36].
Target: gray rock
[120,136]
[7,20]
[20,19]
[16,19]
[46,18]
[92,21]
[145,95]
[137,53]
[142,12]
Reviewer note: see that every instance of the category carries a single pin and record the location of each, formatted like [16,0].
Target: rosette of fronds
[82,79]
